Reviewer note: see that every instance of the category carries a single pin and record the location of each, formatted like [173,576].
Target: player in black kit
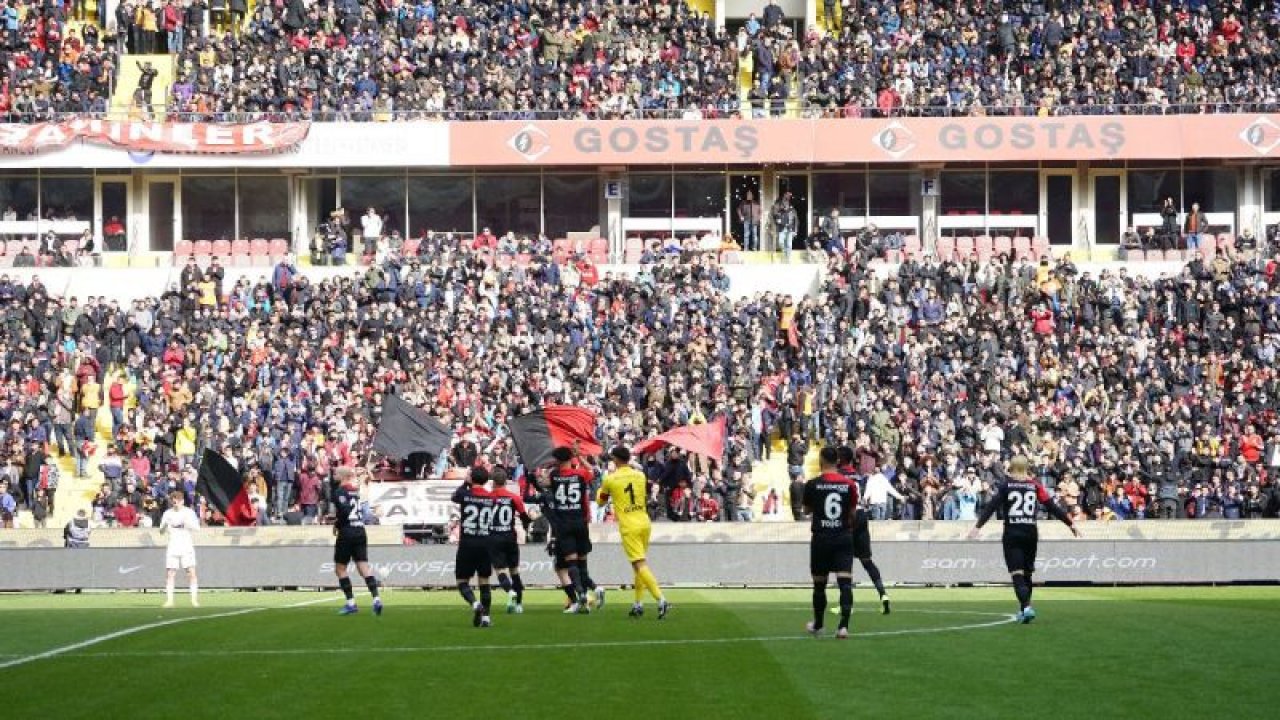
[352,543]
[504,548]
[862,530]
[566,501]
[831,499]
[477,508]
[1020,498]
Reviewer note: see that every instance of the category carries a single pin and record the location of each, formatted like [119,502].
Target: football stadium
[639,358]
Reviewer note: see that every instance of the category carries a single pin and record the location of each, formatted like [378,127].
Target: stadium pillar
[1251,206]
[929,209]
[613,215]
[810,14]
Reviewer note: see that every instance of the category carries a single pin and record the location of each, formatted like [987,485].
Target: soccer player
[473,559]
[351,542]
[1020,497]
[831,499]
[626,488]
[504,549]
[179,522]
[567,502]
[862,529]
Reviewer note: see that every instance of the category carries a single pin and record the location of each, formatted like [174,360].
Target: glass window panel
[208,208]
[1014,192]
[66,198]
[509,203]
[18,196]
[844,191]
[699,196]
[894,193]
[441,203]
[571,203]
[264,207]
[1149,188]
[649,196]
[383,193]
[1273,190]
[1214,189]
[964,193]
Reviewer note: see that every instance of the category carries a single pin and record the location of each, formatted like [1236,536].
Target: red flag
[793,338]
[537,433]
[705,439]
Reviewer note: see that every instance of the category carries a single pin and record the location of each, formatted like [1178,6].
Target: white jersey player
[179,522]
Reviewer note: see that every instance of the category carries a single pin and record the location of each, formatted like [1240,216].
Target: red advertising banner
[157,137]
[976,139]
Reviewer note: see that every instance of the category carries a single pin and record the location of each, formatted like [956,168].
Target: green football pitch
[946,653]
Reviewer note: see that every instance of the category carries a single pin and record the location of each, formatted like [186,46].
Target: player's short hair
[499,476]
[344,475]
[562,454]
[479,476]
[621,454]
[845,454]
[828,456]
[1019,466]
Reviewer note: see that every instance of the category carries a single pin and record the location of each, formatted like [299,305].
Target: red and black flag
[225,489]
[537,433]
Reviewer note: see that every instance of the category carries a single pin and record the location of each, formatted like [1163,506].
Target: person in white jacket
[877,495]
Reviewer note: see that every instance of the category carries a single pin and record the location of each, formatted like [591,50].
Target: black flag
[405,430]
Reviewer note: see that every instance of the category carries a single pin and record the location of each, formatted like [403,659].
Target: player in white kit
[178,522]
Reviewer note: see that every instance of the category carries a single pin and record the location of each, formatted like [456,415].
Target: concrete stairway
[122,103]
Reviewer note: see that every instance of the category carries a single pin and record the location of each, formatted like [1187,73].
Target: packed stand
[1132,397]
[50,69]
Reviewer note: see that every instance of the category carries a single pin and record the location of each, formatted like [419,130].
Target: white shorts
[184,560]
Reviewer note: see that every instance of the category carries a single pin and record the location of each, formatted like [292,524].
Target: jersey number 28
[1022,504]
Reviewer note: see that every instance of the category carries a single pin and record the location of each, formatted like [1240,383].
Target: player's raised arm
[1002,490]
[602,495]
[461,492]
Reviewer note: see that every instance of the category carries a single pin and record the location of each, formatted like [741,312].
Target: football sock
[570,593]
[819,602]
[873,572]
[1031,587]
[195,591]
[846,599]
[464,589]
[371,582]
[575,577]
[639,587]
[486,598]
[168,590]
[504,581]
[518,585]
[1022,589]
[645,577]
[345,584]
[587,582]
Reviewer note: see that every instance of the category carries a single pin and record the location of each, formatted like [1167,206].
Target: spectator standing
[76,533]
[750,214]
[1195,225]
[785,224]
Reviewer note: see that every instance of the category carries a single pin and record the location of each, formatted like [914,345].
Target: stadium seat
[1040,247]
[1133,255]
[239,247]
[598,246]
[221,248]
[1210,243]
[1022,248]
[1227,241]
[261,247]
[1003,245]
[911,245]
[562,245]
[410,247]
[503,261]
[202,248]
[634,244]
[278,246]
[964,247]
[183,249]
[631,258]
[945,249]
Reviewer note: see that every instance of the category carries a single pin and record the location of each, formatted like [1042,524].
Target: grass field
[1126,653]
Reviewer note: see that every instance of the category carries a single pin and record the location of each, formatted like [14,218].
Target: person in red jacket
[1042,320]
[116,396]
[126,515]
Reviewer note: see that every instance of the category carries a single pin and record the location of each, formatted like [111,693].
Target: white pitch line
[99,639]
[1003,620]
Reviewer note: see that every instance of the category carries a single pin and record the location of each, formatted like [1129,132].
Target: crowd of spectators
[1133,397]
[359,59]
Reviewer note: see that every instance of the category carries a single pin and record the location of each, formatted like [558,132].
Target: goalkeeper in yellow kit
[626,487]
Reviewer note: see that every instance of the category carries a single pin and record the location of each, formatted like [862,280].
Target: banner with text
[975,139]
[137,136]
[421,502]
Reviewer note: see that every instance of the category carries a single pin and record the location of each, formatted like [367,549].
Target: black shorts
[1020,551]
[505,553]
[473,559]
[572,539]
[831,554]
[350,547]
[861,536]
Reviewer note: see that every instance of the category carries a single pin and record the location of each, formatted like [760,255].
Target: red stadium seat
[1003,245]
[239,247]
[221,248]
[1227,241]
[202,248]
[1022,247]
[278,246]
[260,247]
[410,247]
[911,245]
[1040,246]
[964,247]
[183,249]
[503,261]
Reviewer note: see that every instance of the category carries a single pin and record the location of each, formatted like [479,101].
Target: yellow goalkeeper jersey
[627,488]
